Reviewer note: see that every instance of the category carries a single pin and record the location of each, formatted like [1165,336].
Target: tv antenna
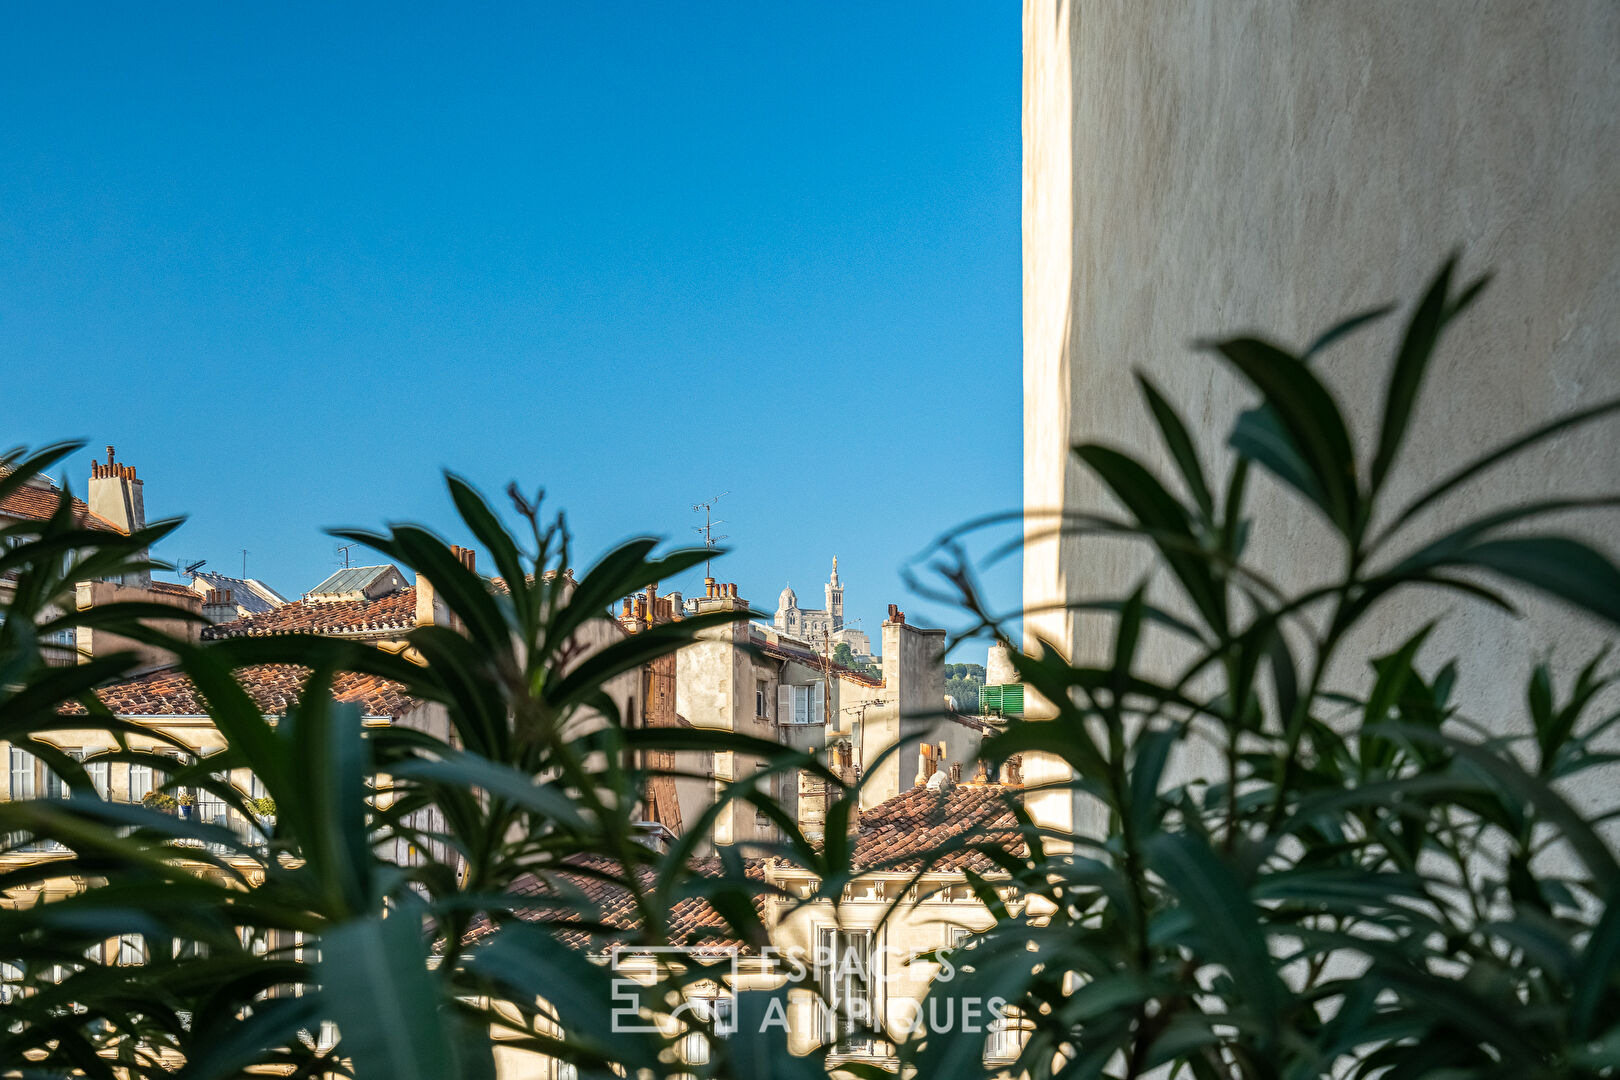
[192,568]
[244,552]
[706,530]
[343,550]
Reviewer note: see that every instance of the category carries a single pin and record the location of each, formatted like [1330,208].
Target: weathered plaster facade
[1204,168]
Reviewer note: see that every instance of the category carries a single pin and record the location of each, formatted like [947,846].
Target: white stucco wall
[1201,168]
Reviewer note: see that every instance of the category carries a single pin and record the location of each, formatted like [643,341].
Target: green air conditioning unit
[1006,699]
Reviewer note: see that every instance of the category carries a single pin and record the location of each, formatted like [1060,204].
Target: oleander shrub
[313,947]
[1371,882]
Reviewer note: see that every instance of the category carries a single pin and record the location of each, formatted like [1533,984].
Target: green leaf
[376,985]
[1560,566]
[1309,422]
[1166,521]
[1411,362]
[455,768]
[1599,972]
[1344,329]
[483,523]
[225,1051]
[1180,445]
[1512,448]
[1228,920]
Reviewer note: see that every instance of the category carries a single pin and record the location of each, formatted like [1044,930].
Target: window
[22,774]
[695,1044]
[1002,1045]
[762,701]
[98,771]
[765,785]
[54,786]
[843,970]
[185,949]
[802,704]
[211,809]
[131,950]
[140,782]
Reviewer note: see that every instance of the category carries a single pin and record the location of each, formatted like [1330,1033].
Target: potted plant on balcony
[186,801]
[159,800]
[264,812]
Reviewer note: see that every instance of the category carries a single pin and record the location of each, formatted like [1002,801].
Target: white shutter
[784,704]
[818,704]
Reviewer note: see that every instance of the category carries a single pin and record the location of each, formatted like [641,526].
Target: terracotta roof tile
[38,503]
[693,921]
[897,833]
[394,612]
[273,687]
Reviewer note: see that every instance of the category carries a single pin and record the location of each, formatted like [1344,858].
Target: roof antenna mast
[244,562]
[706,530]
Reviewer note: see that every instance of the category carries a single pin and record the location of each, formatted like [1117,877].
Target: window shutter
[784,704]
[818,704]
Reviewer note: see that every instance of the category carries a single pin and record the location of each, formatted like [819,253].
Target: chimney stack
[115,493]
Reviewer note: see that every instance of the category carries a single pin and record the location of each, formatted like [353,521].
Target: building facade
[1200,169]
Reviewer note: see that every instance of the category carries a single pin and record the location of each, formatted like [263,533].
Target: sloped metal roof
[250,595]
[352,580]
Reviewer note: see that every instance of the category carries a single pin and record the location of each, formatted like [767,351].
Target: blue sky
[294,260]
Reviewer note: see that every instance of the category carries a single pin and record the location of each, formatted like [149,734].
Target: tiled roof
[813,660]
[394,612]
[174,590]
[693,921]
[897,833]
[273,687]
[38,503]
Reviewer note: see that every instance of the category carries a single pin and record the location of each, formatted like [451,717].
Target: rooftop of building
[248,594]
[358,583]
[274,688]
[599,909]
[898,833]
[395,611]
[37,500]
[773,644]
